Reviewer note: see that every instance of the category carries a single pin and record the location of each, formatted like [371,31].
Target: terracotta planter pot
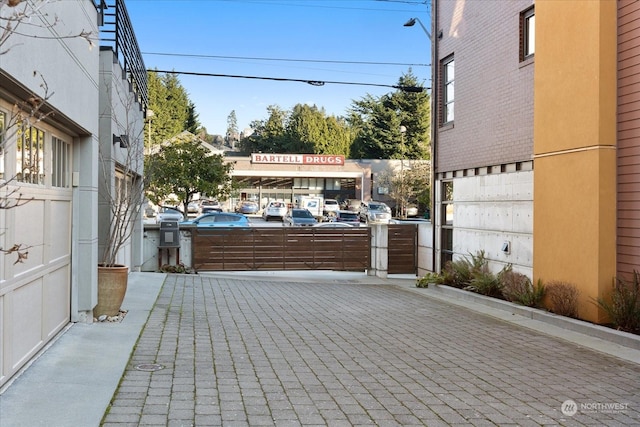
[112,286]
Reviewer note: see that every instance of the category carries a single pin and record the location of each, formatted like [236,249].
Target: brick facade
[493,89]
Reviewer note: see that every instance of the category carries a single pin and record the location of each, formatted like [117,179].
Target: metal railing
[117,32]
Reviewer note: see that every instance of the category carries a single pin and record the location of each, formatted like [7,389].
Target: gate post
[379,250]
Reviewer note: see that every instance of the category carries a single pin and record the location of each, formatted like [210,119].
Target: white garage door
[35,280]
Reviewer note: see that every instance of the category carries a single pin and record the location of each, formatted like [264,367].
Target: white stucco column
[379,250]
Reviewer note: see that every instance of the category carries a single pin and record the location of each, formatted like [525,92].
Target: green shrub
[623,304]
[486,283]
[423,282]
[180,269]
[460,272]
[483,281]
[563,298]
[517,287]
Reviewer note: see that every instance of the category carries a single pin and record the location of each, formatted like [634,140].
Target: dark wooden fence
[402,249]
[274,248]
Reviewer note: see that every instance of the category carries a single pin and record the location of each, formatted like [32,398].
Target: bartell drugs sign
[299,159]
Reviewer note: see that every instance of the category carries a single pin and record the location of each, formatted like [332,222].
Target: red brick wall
[628,209]
[493,90]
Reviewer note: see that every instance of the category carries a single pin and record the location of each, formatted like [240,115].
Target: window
[448,95]
[527,34]
[61,167]
[30,155]
[446,223]
[332,184]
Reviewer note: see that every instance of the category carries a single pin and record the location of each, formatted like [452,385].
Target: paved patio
[266,351]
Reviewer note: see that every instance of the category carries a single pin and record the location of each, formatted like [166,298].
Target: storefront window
[332,184]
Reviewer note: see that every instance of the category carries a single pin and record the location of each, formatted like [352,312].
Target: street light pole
[411,22]
[434,77]
[403,130]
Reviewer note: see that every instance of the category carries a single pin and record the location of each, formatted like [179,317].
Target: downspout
[434,123]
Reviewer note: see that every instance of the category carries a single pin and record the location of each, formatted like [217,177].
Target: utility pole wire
[284,59]
[413,89]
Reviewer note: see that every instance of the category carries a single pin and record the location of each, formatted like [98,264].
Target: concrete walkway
[322,349]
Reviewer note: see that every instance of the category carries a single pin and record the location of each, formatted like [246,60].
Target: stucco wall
[68,65]
[57,282]
[575,147]
[121,115]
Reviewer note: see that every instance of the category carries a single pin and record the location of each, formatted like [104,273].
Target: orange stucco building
[536,142]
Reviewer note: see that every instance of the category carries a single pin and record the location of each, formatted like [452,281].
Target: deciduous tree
[185,168]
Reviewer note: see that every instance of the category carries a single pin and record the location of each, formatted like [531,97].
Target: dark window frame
[527,51]
[447,103]
[446,227]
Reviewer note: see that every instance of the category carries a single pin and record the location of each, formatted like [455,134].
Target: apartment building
[535,138]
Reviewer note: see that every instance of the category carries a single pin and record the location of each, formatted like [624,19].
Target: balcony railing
[117,32]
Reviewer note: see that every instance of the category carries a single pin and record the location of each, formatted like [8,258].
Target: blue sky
[231,37]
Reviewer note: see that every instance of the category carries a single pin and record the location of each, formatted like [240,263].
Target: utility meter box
[169,234]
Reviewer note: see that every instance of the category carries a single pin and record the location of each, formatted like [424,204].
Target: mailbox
[169,234]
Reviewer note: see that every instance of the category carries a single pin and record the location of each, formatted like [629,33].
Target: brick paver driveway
[250,352]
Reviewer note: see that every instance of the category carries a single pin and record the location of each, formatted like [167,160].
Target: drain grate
[149,367]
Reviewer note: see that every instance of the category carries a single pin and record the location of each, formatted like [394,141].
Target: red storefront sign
[299,159]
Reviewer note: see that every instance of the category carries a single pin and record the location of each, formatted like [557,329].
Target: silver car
[375,212]
[299,218]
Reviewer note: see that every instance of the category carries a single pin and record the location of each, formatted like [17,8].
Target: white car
[166,213]
[274,210]
[330,207]
[333,225]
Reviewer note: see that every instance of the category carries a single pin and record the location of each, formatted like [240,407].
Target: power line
[326,61]
[413,89]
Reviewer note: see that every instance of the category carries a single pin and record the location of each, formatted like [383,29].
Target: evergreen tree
[377,122]
[269,135]
[170,104]
[192,124]
[305,129]
[232,129]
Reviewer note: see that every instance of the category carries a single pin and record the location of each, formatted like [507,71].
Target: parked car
[274,210]
[299,218]
[411,210]
[219,219]
[193,208]
[207,206]
[247,207]
[375,212]
[347,217]
[166,213]
[330,207]
[352,205]
[333,225]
